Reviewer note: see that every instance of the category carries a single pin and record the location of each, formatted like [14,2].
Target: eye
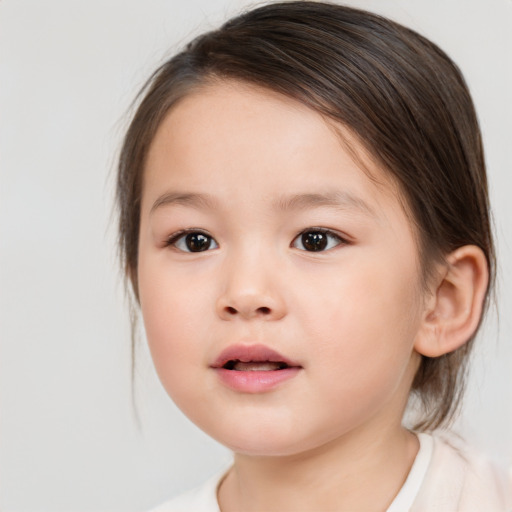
[192,241]
[316,240]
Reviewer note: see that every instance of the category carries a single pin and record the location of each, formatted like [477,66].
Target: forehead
[233,136]
[231,114]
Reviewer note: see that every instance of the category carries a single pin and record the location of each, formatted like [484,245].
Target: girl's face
[262,242]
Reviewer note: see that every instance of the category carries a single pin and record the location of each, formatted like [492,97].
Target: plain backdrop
[68,72]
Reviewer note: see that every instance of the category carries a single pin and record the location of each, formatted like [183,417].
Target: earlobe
[453,312]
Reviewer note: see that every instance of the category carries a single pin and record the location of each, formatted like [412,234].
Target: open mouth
[255,366]
[253,358]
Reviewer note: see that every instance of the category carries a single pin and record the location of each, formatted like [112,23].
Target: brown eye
[193,242]
[197,242]
[315,241]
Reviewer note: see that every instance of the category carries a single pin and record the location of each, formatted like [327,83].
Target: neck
[336,476]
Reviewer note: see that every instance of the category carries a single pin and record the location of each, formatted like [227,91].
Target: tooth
[252,367]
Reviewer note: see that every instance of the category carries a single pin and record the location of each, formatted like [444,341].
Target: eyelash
[174,239]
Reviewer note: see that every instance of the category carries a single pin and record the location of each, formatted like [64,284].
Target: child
[304,221]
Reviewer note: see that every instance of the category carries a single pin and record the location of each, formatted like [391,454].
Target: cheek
[170,308]
[363,327]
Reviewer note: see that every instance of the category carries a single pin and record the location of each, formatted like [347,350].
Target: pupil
[197,242]
[314,241]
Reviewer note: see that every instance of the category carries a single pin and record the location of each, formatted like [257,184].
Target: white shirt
[443,478]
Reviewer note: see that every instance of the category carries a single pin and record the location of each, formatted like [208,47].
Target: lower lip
[255,381]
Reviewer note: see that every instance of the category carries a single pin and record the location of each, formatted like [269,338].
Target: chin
[262,441]
[261,448]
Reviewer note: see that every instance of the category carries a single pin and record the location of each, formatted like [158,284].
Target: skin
[350,315]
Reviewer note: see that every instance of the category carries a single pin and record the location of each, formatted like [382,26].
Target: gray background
[68,72]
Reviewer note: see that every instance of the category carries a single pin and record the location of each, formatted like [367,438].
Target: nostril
[261,311]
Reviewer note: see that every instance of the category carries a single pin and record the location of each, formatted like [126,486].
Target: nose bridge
[250,288]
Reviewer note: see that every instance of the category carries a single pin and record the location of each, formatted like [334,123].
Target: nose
[250,291]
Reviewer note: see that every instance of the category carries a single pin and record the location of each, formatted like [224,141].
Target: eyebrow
[342,200]
[198,201]
[334,199]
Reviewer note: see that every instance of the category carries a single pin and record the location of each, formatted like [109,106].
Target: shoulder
[460,478]
[199,499]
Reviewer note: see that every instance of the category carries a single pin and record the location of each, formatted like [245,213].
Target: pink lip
[253,381]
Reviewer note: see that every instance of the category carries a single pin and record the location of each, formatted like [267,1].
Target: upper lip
[251,353]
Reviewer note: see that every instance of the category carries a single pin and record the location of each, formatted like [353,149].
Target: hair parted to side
[402,97]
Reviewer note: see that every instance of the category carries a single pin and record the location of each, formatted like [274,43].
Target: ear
[453,311]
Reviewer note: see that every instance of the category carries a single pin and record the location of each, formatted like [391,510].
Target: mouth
[254,368]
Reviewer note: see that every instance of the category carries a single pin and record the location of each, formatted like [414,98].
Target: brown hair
[402,96]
